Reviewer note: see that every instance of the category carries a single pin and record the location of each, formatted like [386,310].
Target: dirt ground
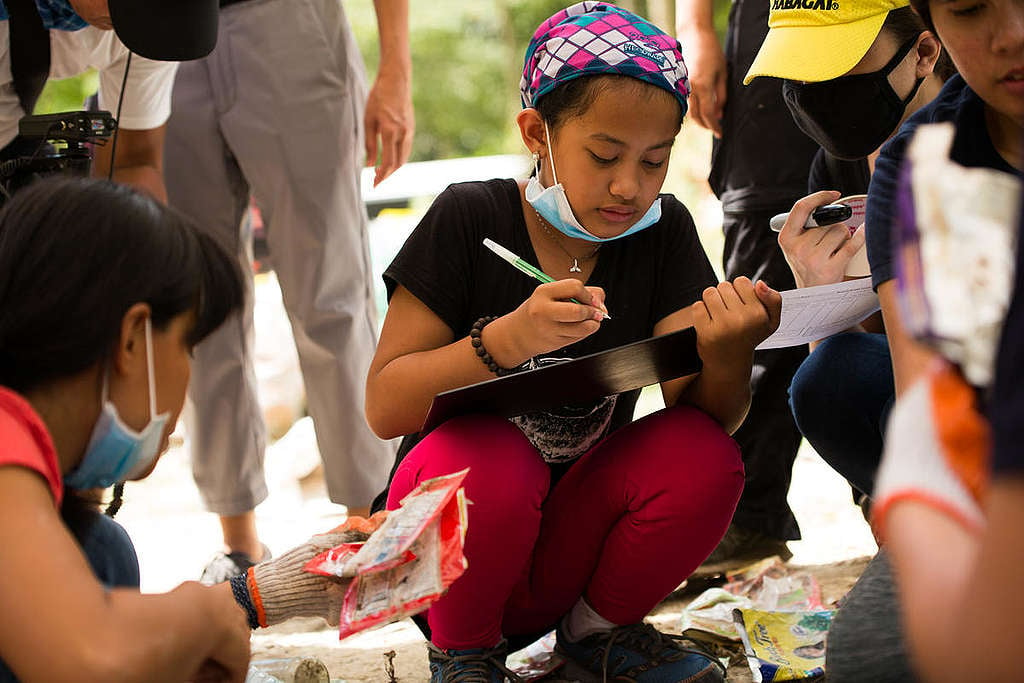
[362,658]
[175,537]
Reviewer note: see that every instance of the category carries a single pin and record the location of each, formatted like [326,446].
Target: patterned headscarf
[597,38]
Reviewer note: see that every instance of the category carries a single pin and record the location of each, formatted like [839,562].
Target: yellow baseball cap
[818,40]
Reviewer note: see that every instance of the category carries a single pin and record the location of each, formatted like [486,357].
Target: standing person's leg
[768,438]
[620,531]
[296,129]
[225,423]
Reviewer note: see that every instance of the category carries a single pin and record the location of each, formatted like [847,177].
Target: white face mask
[116,452]
[553,205]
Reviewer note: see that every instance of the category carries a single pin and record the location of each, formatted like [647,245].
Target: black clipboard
[573,382]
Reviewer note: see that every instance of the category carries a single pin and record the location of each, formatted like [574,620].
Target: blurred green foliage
[466,63]
[467,59]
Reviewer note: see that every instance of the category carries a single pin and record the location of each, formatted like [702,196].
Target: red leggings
[627,523]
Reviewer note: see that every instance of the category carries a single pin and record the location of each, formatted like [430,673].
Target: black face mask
[850,116]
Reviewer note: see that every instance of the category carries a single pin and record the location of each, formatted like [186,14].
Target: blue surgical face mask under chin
[552,204]
[116,452]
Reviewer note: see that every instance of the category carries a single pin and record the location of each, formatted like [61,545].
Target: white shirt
[147,100]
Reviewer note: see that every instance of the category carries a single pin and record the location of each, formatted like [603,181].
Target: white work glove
[281,588]
[287,590]
[936,450]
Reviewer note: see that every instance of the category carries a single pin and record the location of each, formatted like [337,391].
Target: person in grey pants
[280,111]
[865,641]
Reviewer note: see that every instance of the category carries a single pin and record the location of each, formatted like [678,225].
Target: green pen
[525,267]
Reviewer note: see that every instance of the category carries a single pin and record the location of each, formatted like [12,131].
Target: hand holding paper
[732,318]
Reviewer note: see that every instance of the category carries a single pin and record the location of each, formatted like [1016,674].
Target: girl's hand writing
[817,256]
[734,317]
[548,321]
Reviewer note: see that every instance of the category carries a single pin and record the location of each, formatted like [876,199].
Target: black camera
[54,143]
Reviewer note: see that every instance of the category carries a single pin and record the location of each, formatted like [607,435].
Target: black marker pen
[823,215]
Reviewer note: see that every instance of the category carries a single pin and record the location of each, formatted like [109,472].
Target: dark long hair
[76,254]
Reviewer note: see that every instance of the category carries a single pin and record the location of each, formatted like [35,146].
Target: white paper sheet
[813,313]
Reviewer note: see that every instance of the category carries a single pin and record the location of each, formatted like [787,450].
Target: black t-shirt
[1006,406]
[972,147]
[445,264]
[845,176]
[646,276]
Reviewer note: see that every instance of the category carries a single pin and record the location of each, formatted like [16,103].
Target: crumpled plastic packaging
[955,236]
[407,563]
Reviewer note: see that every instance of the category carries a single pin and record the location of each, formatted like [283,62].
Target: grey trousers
[865,642]
[277,110]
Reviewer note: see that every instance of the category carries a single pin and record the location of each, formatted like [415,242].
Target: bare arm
[139,161]
[909,358]
[959,585]
[938,598]
[61,624]
[390,121]
[706,61]
[962,613]
[932,592]
[418,355]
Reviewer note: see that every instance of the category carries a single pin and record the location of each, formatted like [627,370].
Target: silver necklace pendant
[575,267]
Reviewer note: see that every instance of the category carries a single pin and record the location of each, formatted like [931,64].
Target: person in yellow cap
[897,70]
[851,112]
[852,74]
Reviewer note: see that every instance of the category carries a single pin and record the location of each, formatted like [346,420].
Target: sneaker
[470,666]
[224,566]
[739,548]
[637,653]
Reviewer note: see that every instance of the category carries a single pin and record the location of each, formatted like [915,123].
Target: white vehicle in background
[396,205]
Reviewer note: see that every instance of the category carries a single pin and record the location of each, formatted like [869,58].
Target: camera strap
[30,51]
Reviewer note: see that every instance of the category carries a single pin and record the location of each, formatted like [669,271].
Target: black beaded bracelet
[240,590]
[478,345]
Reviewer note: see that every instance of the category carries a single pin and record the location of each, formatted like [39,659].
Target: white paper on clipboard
[813,313]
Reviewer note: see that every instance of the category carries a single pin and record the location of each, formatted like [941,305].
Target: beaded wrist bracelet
[478,345]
